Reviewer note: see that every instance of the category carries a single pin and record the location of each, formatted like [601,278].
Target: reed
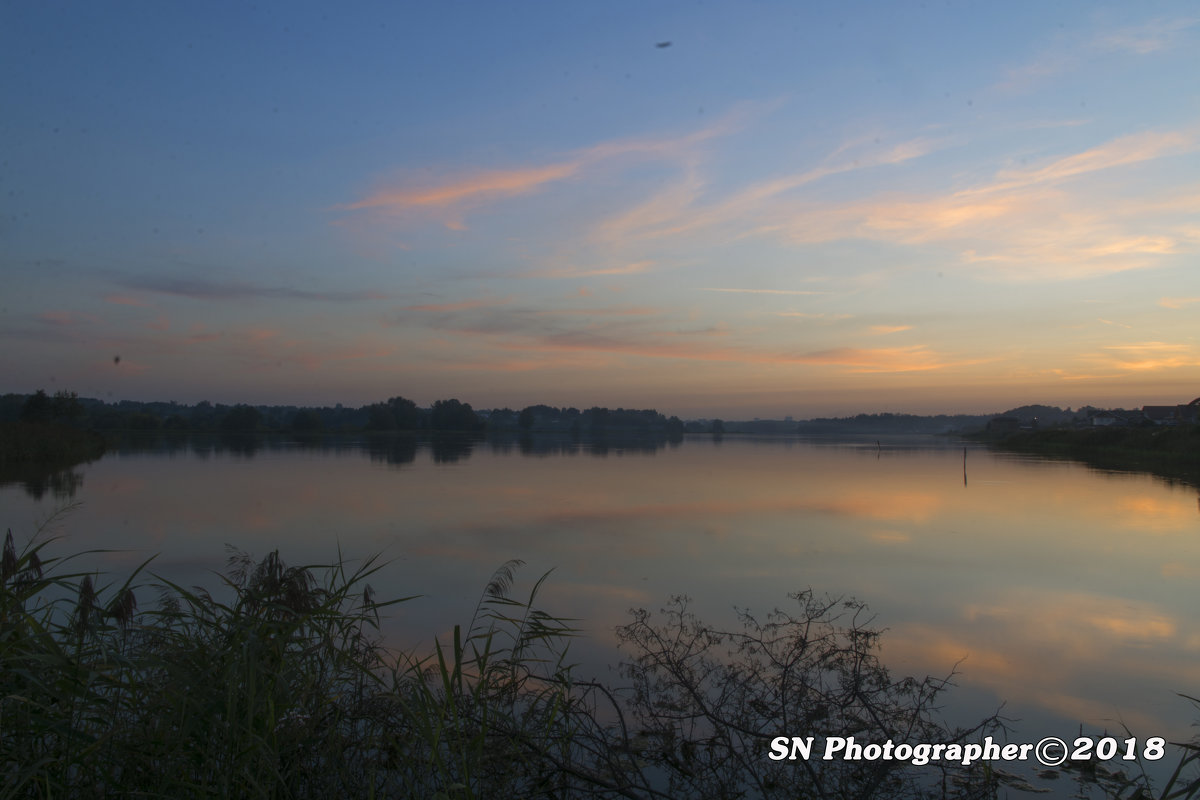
[276,686]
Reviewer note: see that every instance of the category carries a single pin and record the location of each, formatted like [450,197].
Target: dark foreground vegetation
[274,685]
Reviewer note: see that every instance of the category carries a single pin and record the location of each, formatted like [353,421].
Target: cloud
[631,268]
[818,315]
[125,300]
[1150,356]
[608,311]
[464,305]
[1177,302]
[534,333]
[759,291]
[66,319]
[1038,222]
[1068,54]
[676,211]
[199,289]
[448,198]
[1118,152]
[886,329]
[485,185]
[1152,37]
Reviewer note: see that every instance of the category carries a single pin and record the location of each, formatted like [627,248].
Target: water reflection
[1065,591]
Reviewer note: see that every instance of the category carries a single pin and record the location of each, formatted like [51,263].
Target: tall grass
[276,686]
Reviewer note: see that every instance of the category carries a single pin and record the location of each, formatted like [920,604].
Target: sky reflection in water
[1067,593]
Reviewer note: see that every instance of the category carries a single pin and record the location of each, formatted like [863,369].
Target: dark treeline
[395,414]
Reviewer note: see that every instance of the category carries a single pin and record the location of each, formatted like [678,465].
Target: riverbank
[1170,452]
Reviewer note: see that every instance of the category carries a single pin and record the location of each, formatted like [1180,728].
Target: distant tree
[599,417]
[452,415]
[66,406]
[380,417]
[406,414]
[525,421]
[241,419]
[306,421]
[10,407]
[718,428]
[142,421]
[38,408]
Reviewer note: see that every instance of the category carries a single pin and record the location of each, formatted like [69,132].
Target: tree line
[398,414]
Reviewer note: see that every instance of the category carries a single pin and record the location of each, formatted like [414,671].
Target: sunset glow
[790,210]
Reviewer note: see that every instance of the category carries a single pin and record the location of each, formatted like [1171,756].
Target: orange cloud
[697,346]
[1116,153]
[673,212]
[486,185]
[1177,302]
[1148,356]
[452,196]
[631,268]
[1029,223]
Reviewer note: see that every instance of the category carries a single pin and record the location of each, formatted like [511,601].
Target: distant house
[1173,415]
[1098,418]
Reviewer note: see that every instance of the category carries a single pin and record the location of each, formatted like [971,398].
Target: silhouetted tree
[380,418]
[241,419]
[37,408]
[66,406]
[452,415]
[306,421]
[406,414]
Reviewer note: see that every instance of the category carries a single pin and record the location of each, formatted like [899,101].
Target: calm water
[1067,593]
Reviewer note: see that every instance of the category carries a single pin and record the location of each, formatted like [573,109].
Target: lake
[1066,593]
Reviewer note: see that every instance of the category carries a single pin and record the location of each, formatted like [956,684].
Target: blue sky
[791,209]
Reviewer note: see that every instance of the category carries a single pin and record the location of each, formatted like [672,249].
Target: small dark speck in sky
[661,45]
[116,359]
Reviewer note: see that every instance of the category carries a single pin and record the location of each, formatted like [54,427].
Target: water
[1065,593]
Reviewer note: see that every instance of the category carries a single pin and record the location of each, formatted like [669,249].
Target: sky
[739,210]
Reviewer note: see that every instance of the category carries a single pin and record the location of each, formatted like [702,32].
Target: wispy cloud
[534,333]
[1150,356]
[125,300]
[1069,54]
[814,315]
[198,289]
[678,211]
[759,291]
[462,305]
[1153,36]
[448,198]
[888,329]
[66,318]
[1035,222]
[1177,302]
[468,190]
[629,268]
